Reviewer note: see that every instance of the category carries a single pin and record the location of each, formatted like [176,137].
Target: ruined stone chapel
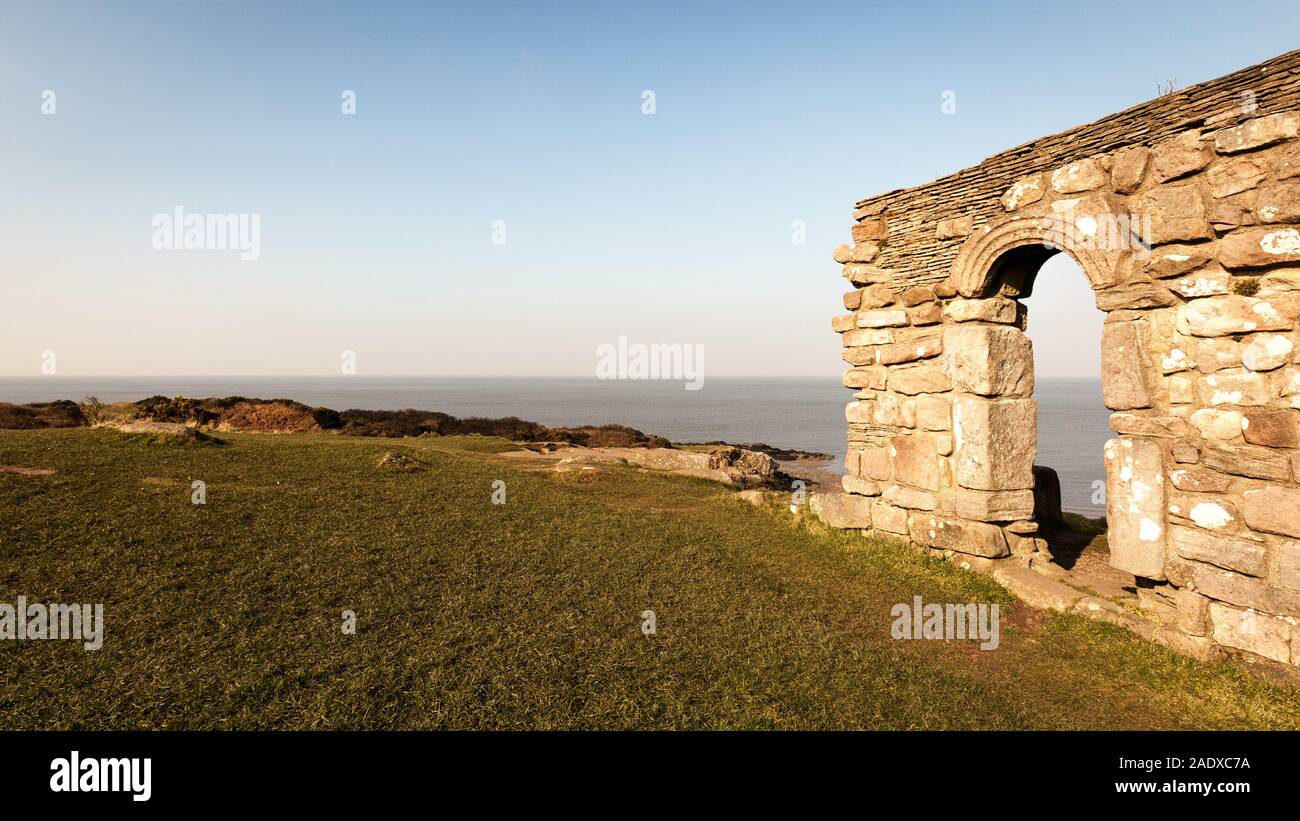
[1184,215]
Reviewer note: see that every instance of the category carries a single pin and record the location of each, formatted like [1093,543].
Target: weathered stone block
[922,348]
[1279,282]
[888,410]
[859,411]
[978,538]
[1216,353]
[1083,175]
[1199,481]
[1200,545]
[1257,133]
[1274,428]
[860,378]
[852,461]
[861,252]
[871,209]
[990,361]
[859,357]
[886,318]
[933,413]
[1228,216]
[840,324]
[842,510]
[1274,510]
[1288,163]
[1247,460]
[1134,295]
[994,442]
[1205,282]
[1289,565]
[917,295]
[1253,632]
[1127,170]
[1241,174]
[1279,203]
[862,274]
[875,296]
[918,379]
[909,497]
[943,444]
[1176,213]
[1287,381]
[1205,513]
[1175,260]
[1256,247]
[871,230]
[1181,390]
[1131,424]
[867,336]
[1223,315]
[874,462]
[930,313]
[1178,157]
[1193,612]
[987,505]
[916,462]
[1267,352]
[1185,453]
[1227,388]
[1126,377]
[1035,589]
[1244,591]
[859,486]
[1135,506]
[997,309]
[1174,360]
[1024,192]
[889,518]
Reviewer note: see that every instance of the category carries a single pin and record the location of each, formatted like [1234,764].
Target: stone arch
[999,264]
[1006,254]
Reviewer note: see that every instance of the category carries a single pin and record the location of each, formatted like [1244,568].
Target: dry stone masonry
[1184,214]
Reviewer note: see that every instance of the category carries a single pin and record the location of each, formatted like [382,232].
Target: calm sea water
[792,413]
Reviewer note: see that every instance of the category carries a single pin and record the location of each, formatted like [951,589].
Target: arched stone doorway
[1002,261]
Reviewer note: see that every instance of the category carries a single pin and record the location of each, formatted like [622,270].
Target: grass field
[523,615]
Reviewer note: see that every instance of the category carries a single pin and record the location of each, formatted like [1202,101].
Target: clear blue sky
[376,228]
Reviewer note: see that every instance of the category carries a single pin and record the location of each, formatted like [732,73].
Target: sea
[804,413]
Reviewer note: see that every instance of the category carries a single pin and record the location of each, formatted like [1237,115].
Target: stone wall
[1186,221]
[918,254]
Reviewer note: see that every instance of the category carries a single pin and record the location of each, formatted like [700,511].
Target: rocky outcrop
[735,466]
[170,430]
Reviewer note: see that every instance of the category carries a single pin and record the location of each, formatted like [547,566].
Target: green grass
[525,615]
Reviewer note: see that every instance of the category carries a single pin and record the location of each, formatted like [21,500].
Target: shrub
[92,410]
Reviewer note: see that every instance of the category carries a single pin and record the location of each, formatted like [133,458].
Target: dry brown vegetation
[60,414]
[239,413]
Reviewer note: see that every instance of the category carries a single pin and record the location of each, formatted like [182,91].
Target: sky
[500,203]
